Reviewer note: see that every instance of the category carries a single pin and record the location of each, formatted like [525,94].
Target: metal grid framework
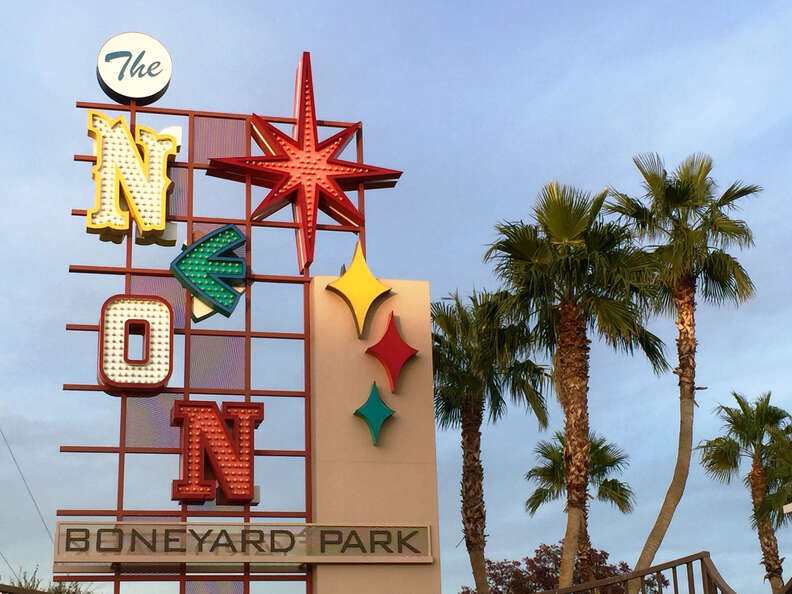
[183,512]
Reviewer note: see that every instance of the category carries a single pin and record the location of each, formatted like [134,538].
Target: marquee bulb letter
[122,371]
[120,168]
[205,437]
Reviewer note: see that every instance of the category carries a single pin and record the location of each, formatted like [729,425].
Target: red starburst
[303,171]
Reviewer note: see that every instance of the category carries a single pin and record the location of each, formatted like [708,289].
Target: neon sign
[362,442]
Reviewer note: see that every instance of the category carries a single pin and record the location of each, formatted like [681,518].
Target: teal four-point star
[374,412]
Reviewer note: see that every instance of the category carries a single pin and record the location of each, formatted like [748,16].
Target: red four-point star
[392,352]
[304,171]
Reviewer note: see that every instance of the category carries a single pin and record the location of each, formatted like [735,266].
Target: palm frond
[528,383]
[772,506]
[605,458]
[720,458]
[538,498]
[724,279]
[617,493]
[632,212]
[563,213]
[654,349]
[447,408]
[651,167]
[723,231]
[620,325]
[736,191]
[693,178]
[595,206]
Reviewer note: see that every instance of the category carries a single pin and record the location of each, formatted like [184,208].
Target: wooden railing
[680,575]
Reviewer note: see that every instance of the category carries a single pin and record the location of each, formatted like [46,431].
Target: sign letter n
[224,441]
[133,168]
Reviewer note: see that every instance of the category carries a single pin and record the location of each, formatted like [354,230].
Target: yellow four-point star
[358,287]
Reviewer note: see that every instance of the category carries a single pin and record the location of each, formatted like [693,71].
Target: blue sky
[480,106]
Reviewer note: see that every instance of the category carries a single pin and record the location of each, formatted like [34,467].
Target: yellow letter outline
[149,215]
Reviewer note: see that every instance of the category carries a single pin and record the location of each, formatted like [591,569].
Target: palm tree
[571,274]
[480,356]
[689,230]
[605,460]
[779,476]
[748,435]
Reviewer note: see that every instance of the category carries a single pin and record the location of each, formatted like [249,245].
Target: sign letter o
[122,317]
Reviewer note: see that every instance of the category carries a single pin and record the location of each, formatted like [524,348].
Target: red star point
[302,171]
[392,352]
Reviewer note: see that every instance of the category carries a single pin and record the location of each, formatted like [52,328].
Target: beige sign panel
[354,480]
[80,543]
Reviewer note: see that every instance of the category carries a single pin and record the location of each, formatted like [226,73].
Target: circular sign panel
[134,67]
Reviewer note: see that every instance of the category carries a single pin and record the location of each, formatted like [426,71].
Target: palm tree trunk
[572,363]
[584,550]
[767,539]
[685,303]
[472,490]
